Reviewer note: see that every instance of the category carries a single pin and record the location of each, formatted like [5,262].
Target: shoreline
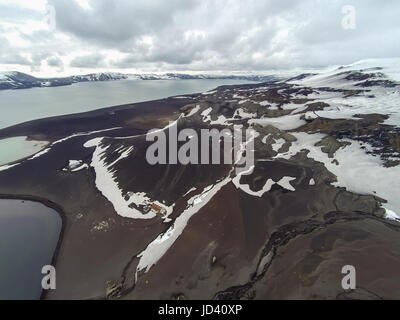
[23,128]
[52,205]
[97,96]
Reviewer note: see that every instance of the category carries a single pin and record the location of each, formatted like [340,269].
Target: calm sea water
[18,106]
[29,232]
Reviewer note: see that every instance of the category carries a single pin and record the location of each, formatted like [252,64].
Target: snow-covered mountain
[182,76]
[103,76]
[19,80]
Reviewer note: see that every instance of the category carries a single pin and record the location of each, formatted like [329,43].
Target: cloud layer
[193,35]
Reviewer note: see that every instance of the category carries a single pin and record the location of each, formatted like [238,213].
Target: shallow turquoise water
[12,149]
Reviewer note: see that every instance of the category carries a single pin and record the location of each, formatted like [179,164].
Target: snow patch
[193,111]
[391,215]
[209,92]
[288,122]
[285,183]
[357,171]
[278,144]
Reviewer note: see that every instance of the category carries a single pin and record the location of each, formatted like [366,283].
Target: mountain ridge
[18,80]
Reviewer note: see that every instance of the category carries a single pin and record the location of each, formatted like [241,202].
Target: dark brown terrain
[284,244]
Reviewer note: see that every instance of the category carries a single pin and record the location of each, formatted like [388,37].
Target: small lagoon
[29,233]
[13,149]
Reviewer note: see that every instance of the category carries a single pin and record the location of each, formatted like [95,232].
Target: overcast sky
[192,36]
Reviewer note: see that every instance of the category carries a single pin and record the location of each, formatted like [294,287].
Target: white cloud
[84,4]
[37,5]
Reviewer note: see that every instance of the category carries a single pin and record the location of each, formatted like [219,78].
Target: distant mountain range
[19,80]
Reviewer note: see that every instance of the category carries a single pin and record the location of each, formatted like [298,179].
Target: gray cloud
[14,58]
[54,62]
[9,55]
[117,22]
[216,35]
[12,13]
[88,61]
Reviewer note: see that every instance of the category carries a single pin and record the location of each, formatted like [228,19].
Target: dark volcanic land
[289,242]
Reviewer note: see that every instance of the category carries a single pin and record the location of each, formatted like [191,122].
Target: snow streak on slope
[106,182]
[79,134]
[158,247]
[8,166]
[126,205]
